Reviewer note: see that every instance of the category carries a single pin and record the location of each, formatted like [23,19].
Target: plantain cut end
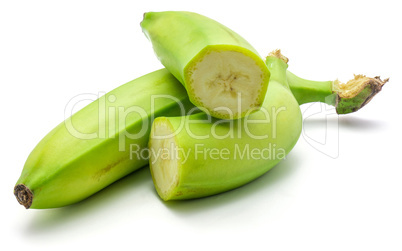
[229,81]
[164,158]
[24,195]
[356,93]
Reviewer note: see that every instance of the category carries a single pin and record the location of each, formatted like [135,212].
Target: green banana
[222,73]
[196,155]
[187,165]
[81,155]
[93,148]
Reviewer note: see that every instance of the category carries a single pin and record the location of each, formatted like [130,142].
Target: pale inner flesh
[227,81]
[163,159]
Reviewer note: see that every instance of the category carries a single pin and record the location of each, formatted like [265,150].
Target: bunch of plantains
[215,119]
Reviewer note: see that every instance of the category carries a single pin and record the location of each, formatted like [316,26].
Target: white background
[51,51]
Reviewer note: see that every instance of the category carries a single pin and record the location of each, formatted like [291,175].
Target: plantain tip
[357,92]
[23,195]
